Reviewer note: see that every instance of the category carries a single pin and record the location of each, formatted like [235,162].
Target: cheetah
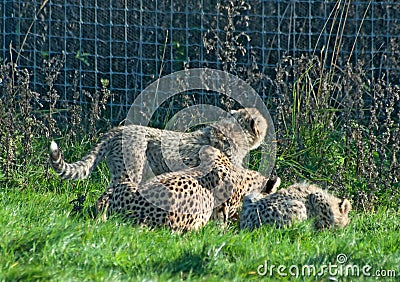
[160,203]
[298,202]
[157,147]
[186,199]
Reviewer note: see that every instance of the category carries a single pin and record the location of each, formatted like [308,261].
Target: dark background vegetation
[327,70]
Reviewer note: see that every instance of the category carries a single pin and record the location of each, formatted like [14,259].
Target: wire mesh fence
[125,44]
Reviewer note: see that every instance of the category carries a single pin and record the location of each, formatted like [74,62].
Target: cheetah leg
[221,214]
[225,213]
[131,166]
[103,202]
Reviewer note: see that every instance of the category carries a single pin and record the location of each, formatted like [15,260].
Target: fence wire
[127,44]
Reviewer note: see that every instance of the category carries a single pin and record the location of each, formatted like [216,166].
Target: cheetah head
[341,210]
[254,125]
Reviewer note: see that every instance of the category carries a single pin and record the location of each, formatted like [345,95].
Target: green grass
[42,240]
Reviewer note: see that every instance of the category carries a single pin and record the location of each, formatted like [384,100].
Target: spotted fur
[128,148]
[298,202]
[186,199]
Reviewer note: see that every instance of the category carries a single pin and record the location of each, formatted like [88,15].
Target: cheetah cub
[128,148]
[300,201]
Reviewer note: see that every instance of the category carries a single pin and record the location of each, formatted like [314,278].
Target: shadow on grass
[189,264]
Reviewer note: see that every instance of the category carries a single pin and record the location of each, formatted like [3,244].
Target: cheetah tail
[82,168]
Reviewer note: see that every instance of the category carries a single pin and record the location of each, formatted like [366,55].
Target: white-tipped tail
[82,168]
[53,147]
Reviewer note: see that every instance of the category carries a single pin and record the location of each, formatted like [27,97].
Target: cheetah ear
[254,128]
[272,185]
[345,206]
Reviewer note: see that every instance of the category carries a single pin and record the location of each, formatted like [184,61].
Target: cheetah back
[129,148]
